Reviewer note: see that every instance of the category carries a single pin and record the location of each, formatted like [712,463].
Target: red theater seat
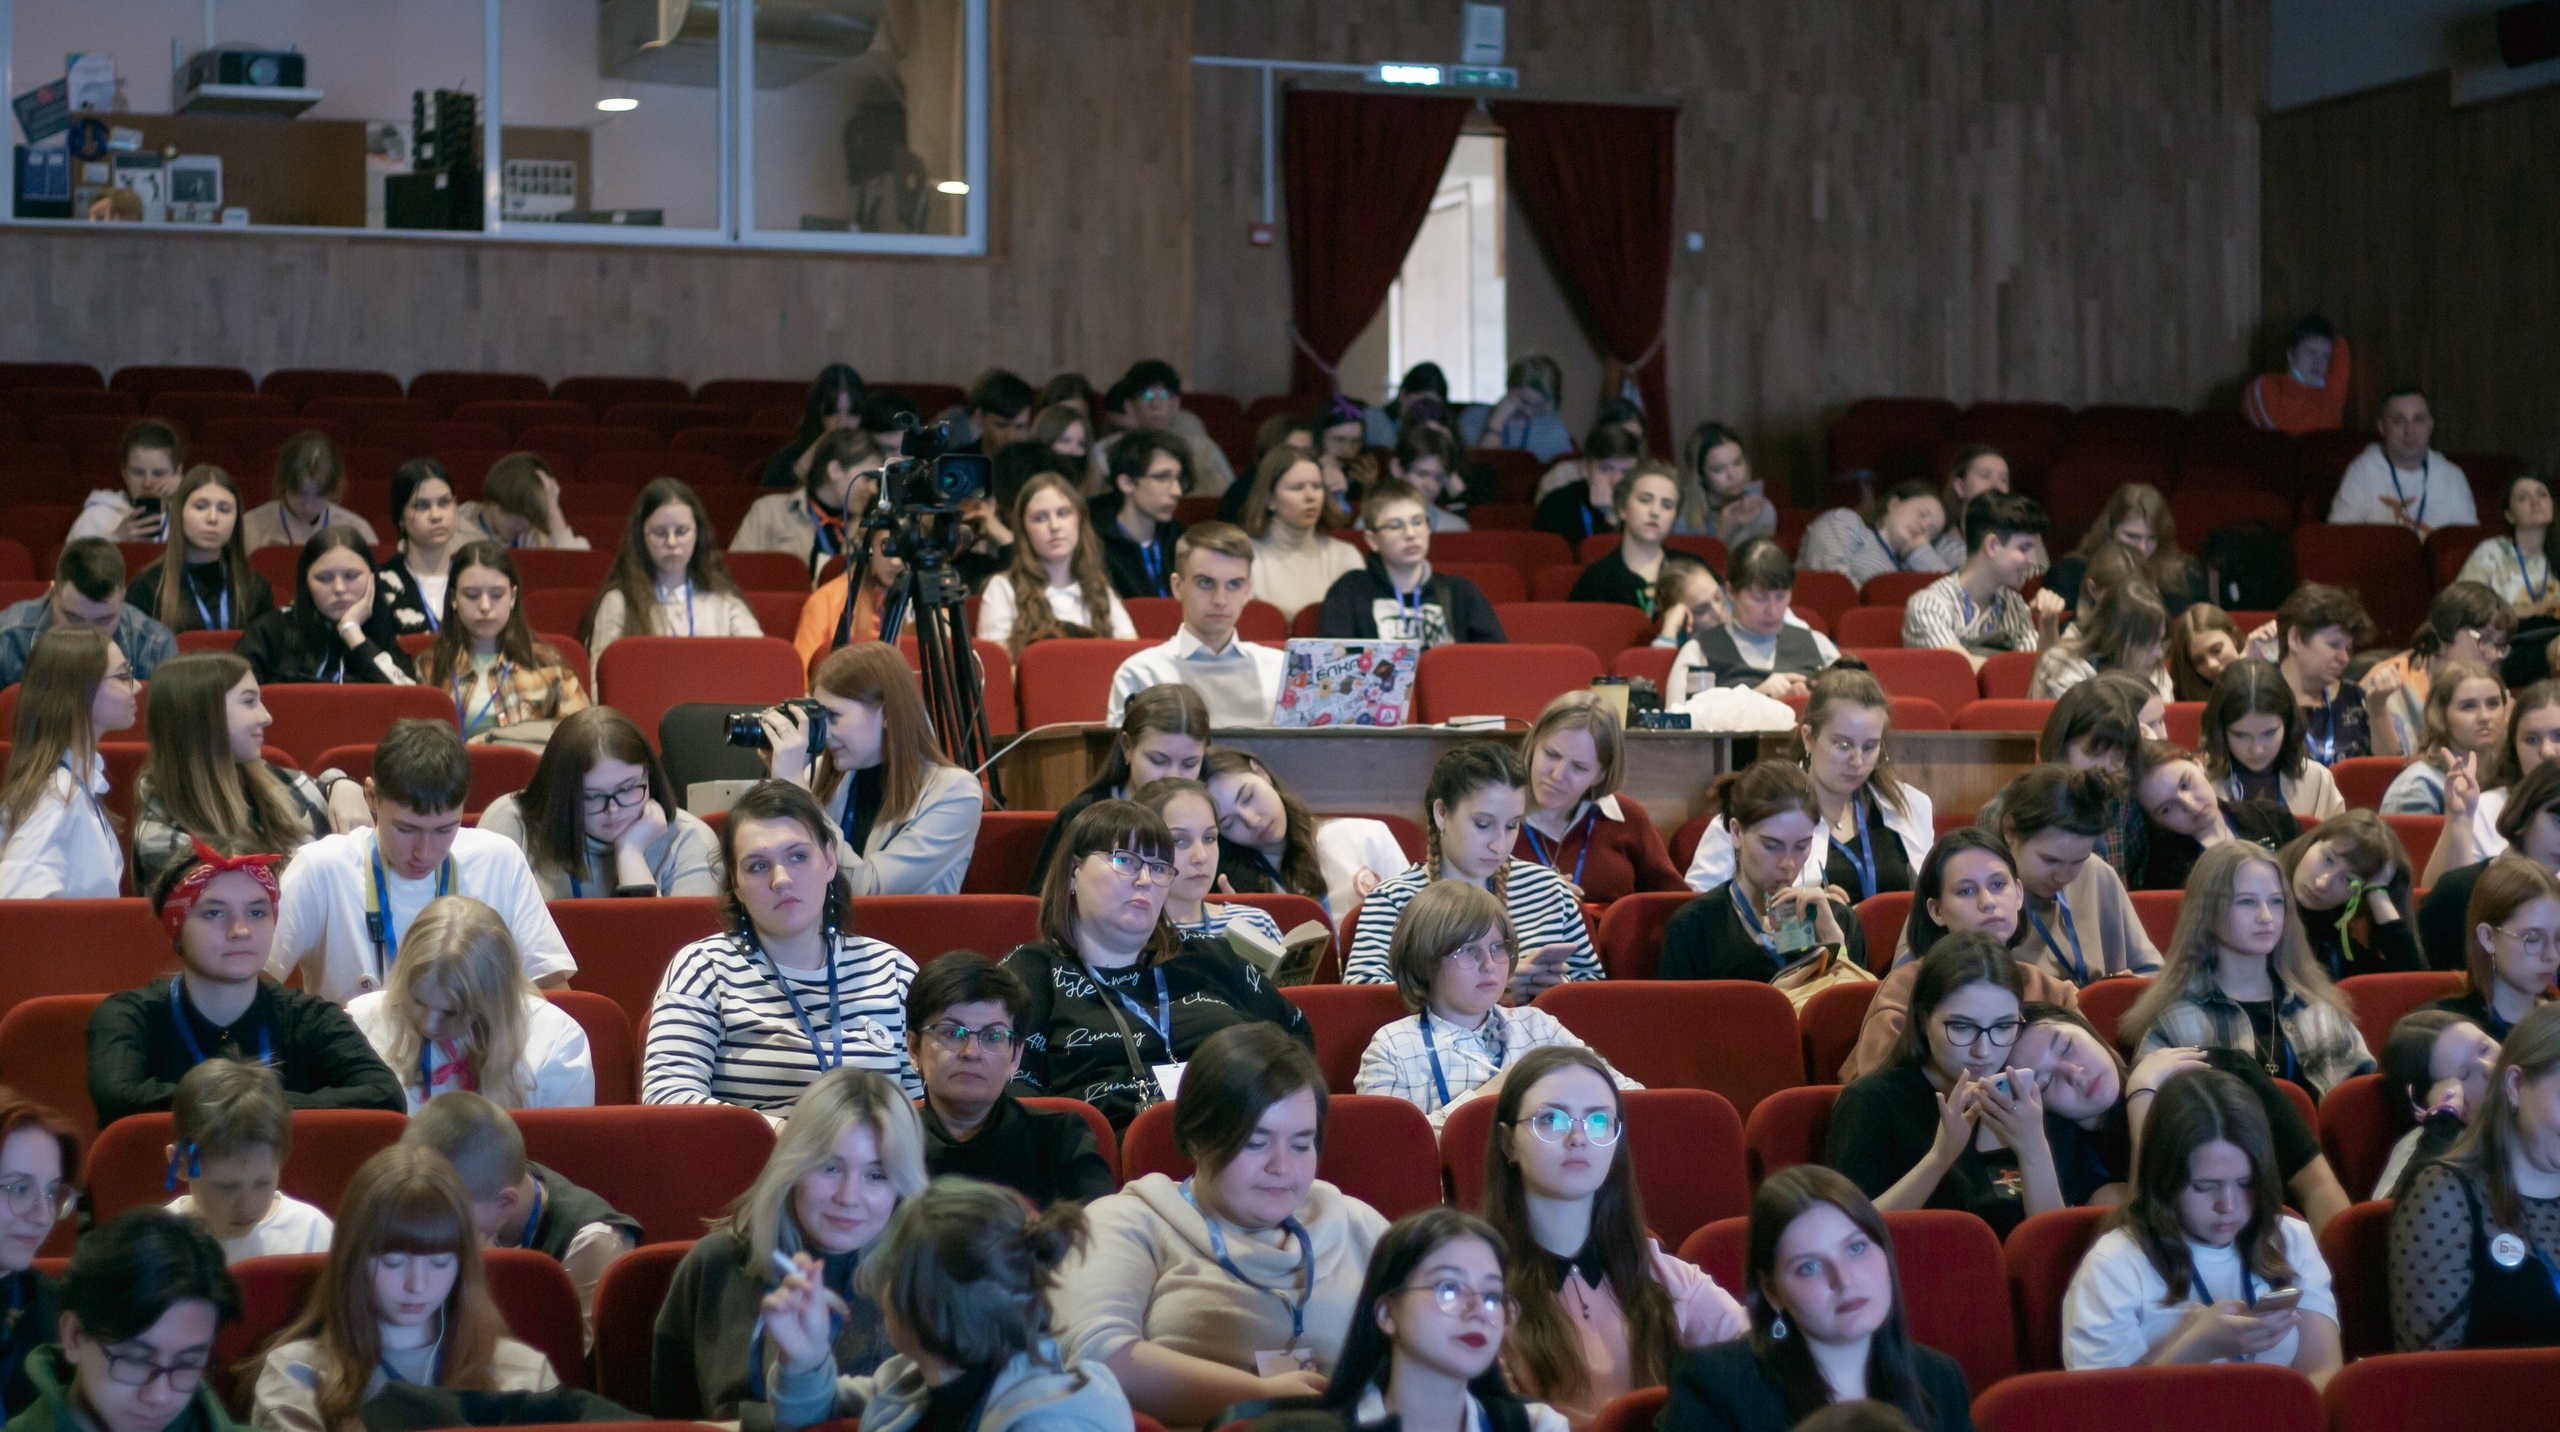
[1684,1144]
[599,393]
[1069,679]
[2356,1132]
[2356,1245]
[1829,1025]
[2007,675]
[495,770]
[2042,1253]
[2382,565]
[1104,1140]
[1755,1053]
[146,381]
[1632,1412]
[927,926]
[2380,1000]
[305,386]
[1937,675]
[43,1052]
[617,1153]
[129,1164]
[627,1303]
[1514,681]
[1890,437]
[448,390]
[641,676]
[1787,1129]
[2363,779]
[1008,844]
[2105,1003]
[1630,934]
[612,1051]
[119,944]
[668,419]
[1826,592]
[995,667]
[1378,1149]
[1868,628]
[312,718]
[2214,1397]
[2418,835]
[1524,552]
[2474,1390]
[622,946]
[1603,628]
[1499,581]
[1343,1018]
[2158,911]
[1991,715]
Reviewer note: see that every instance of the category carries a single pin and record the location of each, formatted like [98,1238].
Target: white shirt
[1186,661]
[320,924]
[1759,651]
[2435,492]
[996,611]
[291,1226]
[683,611]
[66,849]
[2113,1316]
[1348,847]
[558,1071]
[1399,1060]
[1915,825]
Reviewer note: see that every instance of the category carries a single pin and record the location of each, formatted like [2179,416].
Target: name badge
[1296,1359]
[1168,1079]
[2507,1249]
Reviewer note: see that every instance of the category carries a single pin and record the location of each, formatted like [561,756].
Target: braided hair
[1458,774]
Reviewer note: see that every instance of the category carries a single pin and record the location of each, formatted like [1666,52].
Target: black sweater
[283,646]
[1611,580]
[208,584]
[1045,1157]
[1453,608]
[38,1320]
[1882,1127]
[2169,857]
[136,1055]
[1727,1388]
[1125,560]
[1568,513]
[1071,1044]
[1706,940]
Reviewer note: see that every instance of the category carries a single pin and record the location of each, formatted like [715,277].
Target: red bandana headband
[182,897]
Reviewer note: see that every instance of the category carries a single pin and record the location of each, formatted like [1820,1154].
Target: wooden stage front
[1383,769]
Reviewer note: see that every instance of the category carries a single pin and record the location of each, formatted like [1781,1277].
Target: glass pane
[612,112]
[861,116]
[301,114]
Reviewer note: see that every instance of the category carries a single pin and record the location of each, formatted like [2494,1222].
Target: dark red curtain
[1596,182]
[1361,171]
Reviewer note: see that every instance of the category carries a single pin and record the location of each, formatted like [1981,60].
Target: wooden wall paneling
[1899,196]
[1089,263]
[2424,232]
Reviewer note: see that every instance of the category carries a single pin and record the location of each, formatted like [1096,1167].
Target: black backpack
[2248,567]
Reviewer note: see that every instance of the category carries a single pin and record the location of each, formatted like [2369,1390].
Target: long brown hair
[173,609]
[2196,1108]
[2510,883]
[2486,1150]
[1275,465]
[2166,564]
[405,1199]
[1460,772]
[1033,618]
[2435,734]
[873,673]
[516,644]
[57,719]
[636,577]
[553,805]
[1545,1342]
[1301,870]
[2189,683]
[233,806]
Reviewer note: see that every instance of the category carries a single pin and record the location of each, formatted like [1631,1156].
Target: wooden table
[1384,769]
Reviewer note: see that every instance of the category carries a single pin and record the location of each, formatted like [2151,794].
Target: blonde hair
[2187,965]
[761,1217]
[2435,735]
[1443,916]
[1583,711]
[462,951]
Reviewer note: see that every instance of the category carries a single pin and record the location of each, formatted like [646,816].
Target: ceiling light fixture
[953,186]
[618,105]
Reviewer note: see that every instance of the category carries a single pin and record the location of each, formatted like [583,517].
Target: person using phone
[2204,1264]
[1760,923]
[149,461]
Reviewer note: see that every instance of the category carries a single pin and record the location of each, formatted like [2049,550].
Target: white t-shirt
[320,922]
[996,611]
[431,591]
[2434,492]
[291,1226]
[2113,1316]
[558,1069]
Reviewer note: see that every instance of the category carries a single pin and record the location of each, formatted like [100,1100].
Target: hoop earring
[1778,1328]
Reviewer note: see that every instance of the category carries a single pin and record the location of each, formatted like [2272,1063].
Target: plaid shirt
[538,693]
[1398,1061]
[2326,1047]
[1940,615]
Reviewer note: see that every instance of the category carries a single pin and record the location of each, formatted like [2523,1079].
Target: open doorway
[1450,304]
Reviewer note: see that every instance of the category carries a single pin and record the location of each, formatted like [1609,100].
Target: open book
[1296,953]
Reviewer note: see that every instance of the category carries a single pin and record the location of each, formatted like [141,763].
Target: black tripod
[931,591]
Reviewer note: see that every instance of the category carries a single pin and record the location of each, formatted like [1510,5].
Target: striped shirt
[1398,1060]
[1215,918]
[1841,541]
[721,1031]
[1941,615]
[1541,905]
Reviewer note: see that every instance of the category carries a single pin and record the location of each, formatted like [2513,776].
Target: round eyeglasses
[1600,1126]
[1457,1299]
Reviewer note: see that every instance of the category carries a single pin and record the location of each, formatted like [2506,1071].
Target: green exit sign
[1485,76]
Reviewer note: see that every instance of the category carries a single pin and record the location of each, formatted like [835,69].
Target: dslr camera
[746,728]
[927,475]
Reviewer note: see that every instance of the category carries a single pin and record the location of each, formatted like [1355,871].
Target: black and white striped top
[721,1031]
[1541,905]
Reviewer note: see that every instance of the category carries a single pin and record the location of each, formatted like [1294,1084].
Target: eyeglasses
[1483,955]
[1127,863]
[27,1198]
[1398,526]
[2535,943]
[2001,1032]
[621,797]
[2489,641]
[136,1370]
[1551,1125]
[1457,1299]
[993,1038]
[1156,394]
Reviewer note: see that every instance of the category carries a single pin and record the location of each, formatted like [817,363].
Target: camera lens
[746,730]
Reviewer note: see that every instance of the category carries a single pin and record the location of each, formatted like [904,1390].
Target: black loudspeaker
[2529,34]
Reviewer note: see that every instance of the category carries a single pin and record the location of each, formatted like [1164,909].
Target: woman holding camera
[906,819]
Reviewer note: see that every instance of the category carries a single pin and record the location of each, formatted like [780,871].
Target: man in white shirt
[1239,680]
[348,899]
[2401,479]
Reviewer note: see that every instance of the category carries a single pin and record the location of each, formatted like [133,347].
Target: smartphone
[2282,1300]
[2007,1089]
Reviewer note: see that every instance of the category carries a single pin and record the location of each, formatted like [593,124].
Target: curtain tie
[1313,356]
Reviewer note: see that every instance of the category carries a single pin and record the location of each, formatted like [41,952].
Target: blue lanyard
[844,824]
[835,1013]
[377,917]
[1861,856]
[1584,507]
[2204,1295]
[1152,553]
[1547,858]
[2532,590]
[1306,1265]
[497,681]
[205,616]
[2426,463]
[1964,600]
[1409,606]
[688,608]
[1895,557]
[1751,919]
[1431,1046]
[1162,1024]
[525,1239]
[426,608]
[2079,966]
[2328,744]
[195,1051]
